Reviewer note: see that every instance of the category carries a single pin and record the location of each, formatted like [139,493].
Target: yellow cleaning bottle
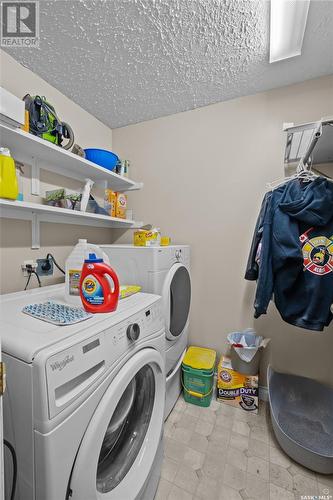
[8,178]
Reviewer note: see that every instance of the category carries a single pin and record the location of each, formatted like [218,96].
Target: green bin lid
[200,358]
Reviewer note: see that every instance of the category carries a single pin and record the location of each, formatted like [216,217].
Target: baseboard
[263,393]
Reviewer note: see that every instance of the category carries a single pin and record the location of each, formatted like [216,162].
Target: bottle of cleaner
[73,268]
[86,195]
[8,178]
[19,175]
[97,293]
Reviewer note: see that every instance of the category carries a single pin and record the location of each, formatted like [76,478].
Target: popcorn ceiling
[126,61]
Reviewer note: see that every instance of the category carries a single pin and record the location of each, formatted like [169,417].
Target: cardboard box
[121,205]
[236,389]
[110,198]
[146,238]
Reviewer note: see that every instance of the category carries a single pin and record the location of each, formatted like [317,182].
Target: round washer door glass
[126,430]
[180,299]
[120,443]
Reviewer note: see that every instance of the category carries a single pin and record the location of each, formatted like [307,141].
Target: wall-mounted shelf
[311,142]
[37,213]
[32,150]
[41,154]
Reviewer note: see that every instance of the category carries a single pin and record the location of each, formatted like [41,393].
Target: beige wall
[205,173]
[56,238]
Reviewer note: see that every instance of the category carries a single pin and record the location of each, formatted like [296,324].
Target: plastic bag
[246,343]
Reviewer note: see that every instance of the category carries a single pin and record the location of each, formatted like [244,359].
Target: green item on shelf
[44,122]
[62,193]
[63,198]
[73,197]
[55,195]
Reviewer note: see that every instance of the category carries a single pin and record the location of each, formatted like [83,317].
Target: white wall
[56,238]
[205,173]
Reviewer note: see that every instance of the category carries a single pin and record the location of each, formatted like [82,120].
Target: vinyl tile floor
[223,453]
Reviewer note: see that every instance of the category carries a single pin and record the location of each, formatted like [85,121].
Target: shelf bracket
[35,231]
[135,187]
[35,177]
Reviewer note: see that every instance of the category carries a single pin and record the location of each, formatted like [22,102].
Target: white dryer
[164,271]
[84,404]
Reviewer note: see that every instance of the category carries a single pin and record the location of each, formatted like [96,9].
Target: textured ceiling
[127,61]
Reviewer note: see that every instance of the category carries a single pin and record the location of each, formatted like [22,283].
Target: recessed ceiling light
[287,27]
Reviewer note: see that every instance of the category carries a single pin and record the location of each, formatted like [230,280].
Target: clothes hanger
[302,173]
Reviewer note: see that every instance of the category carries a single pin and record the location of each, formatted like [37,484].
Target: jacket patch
[317,254]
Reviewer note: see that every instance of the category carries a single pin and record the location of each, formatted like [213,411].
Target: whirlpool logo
[60,365]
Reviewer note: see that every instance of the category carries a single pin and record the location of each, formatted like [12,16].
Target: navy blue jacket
[252,267]
[296,262]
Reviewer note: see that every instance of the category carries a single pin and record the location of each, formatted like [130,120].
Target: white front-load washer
[84,405]
[166,272]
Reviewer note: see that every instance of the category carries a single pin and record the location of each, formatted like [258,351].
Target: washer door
[177,299]
[118,449]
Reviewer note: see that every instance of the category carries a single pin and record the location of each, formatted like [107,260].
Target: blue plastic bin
[102,157]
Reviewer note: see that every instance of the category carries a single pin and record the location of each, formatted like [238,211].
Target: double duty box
[236,389]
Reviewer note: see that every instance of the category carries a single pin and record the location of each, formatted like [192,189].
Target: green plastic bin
[198,375]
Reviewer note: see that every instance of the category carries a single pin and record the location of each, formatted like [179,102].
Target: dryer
[84,404]
[164,271]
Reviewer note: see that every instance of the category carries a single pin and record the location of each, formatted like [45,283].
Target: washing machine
[166,272]
[84,404]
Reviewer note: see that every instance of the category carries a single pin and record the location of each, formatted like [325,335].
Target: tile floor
[223,453]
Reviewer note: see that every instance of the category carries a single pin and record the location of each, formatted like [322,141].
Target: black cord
[50,256]
[39,283]
[30,272]
[14,459]
[28,281]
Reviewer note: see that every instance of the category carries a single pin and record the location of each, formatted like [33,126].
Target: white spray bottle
[86,194]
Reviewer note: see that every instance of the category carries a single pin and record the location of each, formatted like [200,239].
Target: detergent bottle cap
[5,152]
[93,258]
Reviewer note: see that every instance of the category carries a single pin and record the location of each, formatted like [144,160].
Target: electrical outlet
[30,263]
[44,267]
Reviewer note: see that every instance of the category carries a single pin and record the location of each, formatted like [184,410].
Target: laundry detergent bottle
[96,290]
[8,178]
[73,269]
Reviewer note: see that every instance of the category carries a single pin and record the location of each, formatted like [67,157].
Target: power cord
[14,459]
[31,272]
[46,266]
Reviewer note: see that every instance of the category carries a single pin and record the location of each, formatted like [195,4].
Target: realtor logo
[19,24]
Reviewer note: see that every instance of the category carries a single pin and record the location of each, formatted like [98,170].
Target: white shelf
[37,213]
[30,149]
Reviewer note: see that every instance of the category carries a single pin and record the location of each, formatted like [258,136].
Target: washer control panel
[137,327]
